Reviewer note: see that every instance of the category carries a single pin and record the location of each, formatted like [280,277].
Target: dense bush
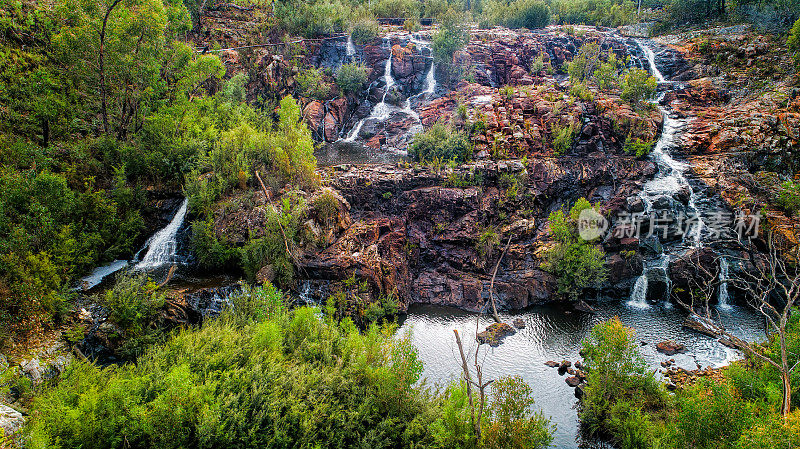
[311,83]
[313,19]
[789,196]
[583,65]
[396,8]
[451,37]
[564,137]
[264,376]
[619,391]
[610,13]
[133,303]
[351,78]
[794,39]
[607,76]
[638,86]
[364,30]
[440,144]
[531,14]
[577,264]
[637,147]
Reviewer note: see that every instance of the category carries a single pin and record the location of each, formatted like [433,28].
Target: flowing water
[162,246]
[552,333]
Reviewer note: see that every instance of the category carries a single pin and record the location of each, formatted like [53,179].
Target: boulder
[670,347]
[11,421]
[33,370]
[495,333]
[552,364]
[573,381]
[519,323]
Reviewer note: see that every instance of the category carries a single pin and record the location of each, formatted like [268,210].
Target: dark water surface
[555,334]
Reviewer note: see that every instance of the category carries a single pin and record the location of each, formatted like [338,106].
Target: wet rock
[670,347]
[578,364]
[573,381]
[683,194]
[33,370]
[580,391]
[494,334]
[266,274]
[635,204]
[11,421]
[519,323]
[695,267]
[552,364]
[657,285]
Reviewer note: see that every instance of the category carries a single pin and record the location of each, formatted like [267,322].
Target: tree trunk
[101,66]
[787,393]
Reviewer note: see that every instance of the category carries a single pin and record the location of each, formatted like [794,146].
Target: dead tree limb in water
[494,275]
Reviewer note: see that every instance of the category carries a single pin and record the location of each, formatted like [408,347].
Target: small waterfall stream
[383,110]
[669,181]
[723,301]
[162,246]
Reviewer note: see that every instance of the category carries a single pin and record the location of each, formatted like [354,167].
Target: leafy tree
[531,14]
[510,422]
[607,76]
[452,36]
[351,78]
[583,65]
[578,264]
[638,86]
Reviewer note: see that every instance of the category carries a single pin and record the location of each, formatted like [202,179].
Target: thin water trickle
[723,301]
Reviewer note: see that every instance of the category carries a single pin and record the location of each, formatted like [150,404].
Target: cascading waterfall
[670,180]
[351,49]
[382,110]
[723,301]
[162,246]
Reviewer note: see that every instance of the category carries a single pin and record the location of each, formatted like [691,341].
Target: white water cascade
[351,49]
[669,180]
[162,246]
[382,110]
[723,301]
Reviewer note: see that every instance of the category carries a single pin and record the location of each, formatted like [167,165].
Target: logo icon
[591,225]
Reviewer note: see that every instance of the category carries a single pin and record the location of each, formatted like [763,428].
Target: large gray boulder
[11,421]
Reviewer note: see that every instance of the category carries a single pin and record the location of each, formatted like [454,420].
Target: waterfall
[651,60]
[723,299]
[351,49]
[162,246]
[639,293]
[382,110]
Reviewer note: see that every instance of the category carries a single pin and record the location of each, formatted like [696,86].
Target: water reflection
[554,333]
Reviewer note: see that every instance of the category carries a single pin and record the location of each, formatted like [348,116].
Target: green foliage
[364,30]
[133,303]
[606,76]
[576,263]
[271,247]
[563,137]
[509,420]
[351,78]
[271,379]
[638,86]
[530,14]
[440,143]
[637,147]
[583,65]
[789,196]
[794,38]
[311,83]
[313,19]
[396,8]
[619,391]
[451,37]
[611,13]
[711,415]
[235,90]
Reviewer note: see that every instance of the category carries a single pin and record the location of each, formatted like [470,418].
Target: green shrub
[509,420]
[530,14]
[619,390]
[351,78]
[235,90]
[611,13]
[311,83]
[439,144]
[451,37]
[637,147]
[638,86]
[606,76]
[133,303]
[396,8]
[576,263]
[794,38]
[563,137]
[313,19]
[581,91]
[364,30]
[789,196]
[583,65]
